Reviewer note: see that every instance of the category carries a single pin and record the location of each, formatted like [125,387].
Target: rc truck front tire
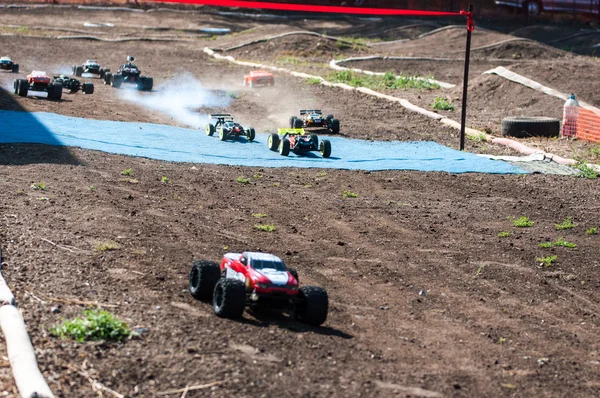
[210,129]
[298,124]
[203,278]
[335,126]
[15,68]
[251,133]
[87,88]
[523,127]
[55,91]
[78,71]
[21,87]
[312,305]
[115,81]
[229,298]
[325,148]
[107,77]
[284,147]
[273,141]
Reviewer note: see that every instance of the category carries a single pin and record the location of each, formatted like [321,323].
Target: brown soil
[489,321]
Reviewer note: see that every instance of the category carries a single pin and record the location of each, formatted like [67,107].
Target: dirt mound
[543,33]
[522,50]
[403,32]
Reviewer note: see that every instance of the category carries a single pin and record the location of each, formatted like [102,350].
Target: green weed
[106,246]
[266,227]
[480,270]
[349,194]
[592,231]
[561,242]
[39,186]
[242,180]
[164,180]
[259,215]
[257,175]
[546,245]
[442,104]
[389,80]
[94,325]
[92,188]
[321,174]
[547,261]
[313,80]
[476,138]
[566,224]
[521,222]
[127,172]
[504,234]
[586,171]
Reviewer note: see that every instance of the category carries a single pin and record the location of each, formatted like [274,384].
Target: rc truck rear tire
[87,88]
[107,77]
[325,148]
[22,87]
[55,91]
[315,140]
[78,71]
[251,134]
[312,305]
[523,127]
[292,121]
[115,81]
[203,278]
[210,129]
[284,147]
[298,124]
[335,126]
[229,298]
[15,68]
[273,141]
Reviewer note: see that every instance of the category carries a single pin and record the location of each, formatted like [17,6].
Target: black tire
[329,118]
[273,141]
[149,83]
[210,129]
[298,124]
[21,87]
[292,121]
[222,134]
[335,126]
[294,273]
[145,83]
[315,140]
[107,77]
[312,305]
[116,81]
[251,134]
[55,91]
[141,83]
[79,71]
[73,70]
[325,148]
[284,147]
[203,278]
[15,68]
[101,73]
[87,88]
[523,127]
[229,298]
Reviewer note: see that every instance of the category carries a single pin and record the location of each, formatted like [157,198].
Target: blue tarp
[177,144]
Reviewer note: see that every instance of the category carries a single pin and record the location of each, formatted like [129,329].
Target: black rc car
[313,118]
[227,128]
[129,73]
[90,66]
[73,85]
[7,64]
[297,141]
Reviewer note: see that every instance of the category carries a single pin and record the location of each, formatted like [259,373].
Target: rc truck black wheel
[315,140]
[284,147]
[298,124]
[203,278]
[107,77]
[229,298]
[15,68]
[55,91]
[222,134]
[149,84]
[78,70]
[21,87]
[251,134]
[328,118]
[335,126]
[273,141]
[294,273]
[87,88]
[312,305]
[116,81]
[325,148]
[210,129]
[292,120]
[522,127]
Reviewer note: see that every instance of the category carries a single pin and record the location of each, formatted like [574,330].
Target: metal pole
[463,118]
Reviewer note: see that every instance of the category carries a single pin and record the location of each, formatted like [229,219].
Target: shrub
[547,261]
[266,227]
[442,103]
[566,224]
[242,180]
[522,222]
[94,325]
[504,234]
[127,172]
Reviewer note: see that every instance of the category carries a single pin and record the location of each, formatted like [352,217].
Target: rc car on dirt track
[297,141]
[259,77]
[38,81]
[227,128]
[7,64]
[256,279]
[90,66]
[73,85]
[129,73]
[313,118]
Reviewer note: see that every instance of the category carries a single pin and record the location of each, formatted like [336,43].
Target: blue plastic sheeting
[177,144]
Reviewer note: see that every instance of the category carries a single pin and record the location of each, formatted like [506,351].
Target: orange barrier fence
[581,123]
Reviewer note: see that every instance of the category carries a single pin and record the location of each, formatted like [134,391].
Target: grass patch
[442,103]
[561,242]
[349,194]
[106,246]
[289,60]
[164,180]
[39,186]
[259,215]
[94,325]
[592,231]
[585,171]
[266,227]
[504,234]
[242,180]
[547,261]
[521,222]
[127,172]
[92,188]
[313,80]
[566,224]
[389,80]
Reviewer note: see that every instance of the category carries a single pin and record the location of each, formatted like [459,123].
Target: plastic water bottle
[570,112]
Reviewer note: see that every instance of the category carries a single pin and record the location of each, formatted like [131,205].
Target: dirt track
[491,321]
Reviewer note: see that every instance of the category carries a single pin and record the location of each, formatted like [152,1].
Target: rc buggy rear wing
[224,116]
[289,131]
[307,111]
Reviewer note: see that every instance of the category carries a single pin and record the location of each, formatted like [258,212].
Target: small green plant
[276,184]
[477,138]
[242,180]
[562,242]
[106,246]
[129,180]
[94,325]
[546,245]
[127,172]
[586,171]
[20,191]
[522,222]
[259,215]
[547,261]
[92,188]
[592,231]
[501,340]
[566,224]
[388,80]
[307,185]
[321,174]
[39,186]
[504,234]
[349,194]
[164,180]
[480,270]
[313,80]
[442,104]
[257,175]
[266,227]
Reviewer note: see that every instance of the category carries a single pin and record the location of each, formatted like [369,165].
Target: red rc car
[38,81]
[259,77]
[255,279]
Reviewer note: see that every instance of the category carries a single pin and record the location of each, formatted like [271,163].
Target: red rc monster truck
[38,81]
[256,279]
[313,118]
[297,141]
[259,77]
